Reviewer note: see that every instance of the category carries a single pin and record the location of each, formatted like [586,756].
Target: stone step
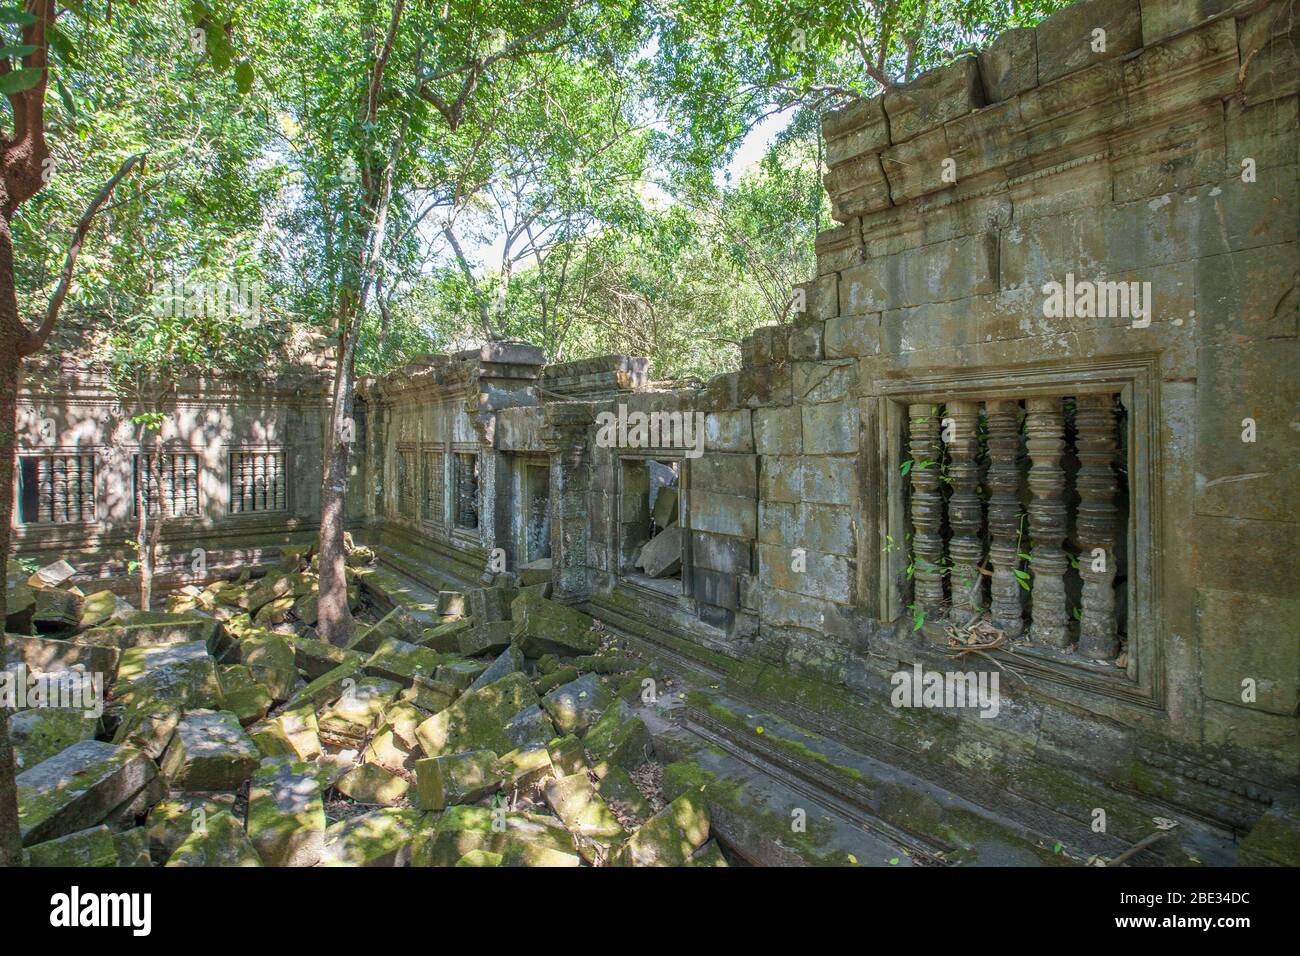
[392,587]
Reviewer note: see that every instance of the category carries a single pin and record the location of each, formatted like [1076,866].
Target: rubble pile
[506,734]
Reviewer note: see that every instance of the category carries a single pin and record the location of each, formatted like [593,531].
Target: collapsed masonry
[940,465]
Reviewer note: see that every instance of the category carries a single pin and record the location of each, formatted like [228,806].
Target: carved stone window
[434,483]
[257,482]
[56,489]
[407,478]
[173,491]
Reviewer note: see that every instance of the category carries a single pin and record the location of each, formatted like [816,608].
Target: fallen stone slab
[57,610]
[456,778]
[520,840]
[42,732]
[523,770]
[670,836]
[665,509]
[19,608]
[445,637]
[397,623]
[575,706]
[78,788]
[535,572]
[394,744]
[556,678]
[490,604]
[210,751]
[242,695]
[380,838]
[480,858]
[529,728]
[52,575]
[510,661]
[372,785]
[459,674]
[132,847]
[274,612]
[452,605]
[44,655]
[181,674]
[221,841]
[173,819]
[1274,840]
[484,639]
[329,686]
[402,661]
[100,607]
[661,556]
[430,696]
[156,629]
[477,719]
[84,848]
[357,711]
[708,855]
[566,755]
[271,660]
[619,737]
[148,726]
[576,802]
[286,816]
[615,785]
[540,626]
[315,657]
[291,733]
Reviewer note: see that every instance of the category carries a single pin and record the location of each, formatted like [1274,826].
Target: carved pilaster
[965,511]
[565,437]
[1045,425]
[1004,514]
[927,506]
[1097,524]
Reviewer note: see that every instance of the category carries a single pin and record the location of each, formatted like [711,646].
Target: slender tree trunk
[333,616]
[11,334]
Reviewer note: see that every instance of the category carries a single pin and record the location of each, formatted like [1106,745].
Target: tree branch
[33,341]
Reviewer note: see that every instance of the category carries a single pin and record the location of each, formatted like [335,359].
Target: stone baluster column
[927,506]
[965,511]
[1097,524]
[1045,423]
[1004,514]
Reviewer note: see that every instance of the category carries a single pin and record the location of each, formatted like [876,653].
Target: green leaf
[66,97]
[18,50]
[19,80]
[244,77]
[18,17]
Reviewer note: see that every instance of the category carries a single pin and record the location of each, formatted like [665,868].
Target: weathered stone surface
[484,639]
[510,661]
[402,661]
[220,842]
[535,572]
[92,847]
[665,507]
[577,705]
[286,817]
[40,733]
[1009,65]
[184,675]
[155,629]
[357,711]
[329,686]
[56,610]
[98,607]
[671,836]
[934,98]
[490,604]
[456,778]
[445,637]
[1066,38]
[49,655]
[372,785]
[77,788]
[576,802]
[291,733]
[520,841]
[480,858]
[615,785]
[209,751]
[708,855]
[133,848]
[477,720]
[1274,840]
[52,575]
[459,674]
[541,626]
[242,695]
[529,728]
[856,129]
[380,838]
[175,818]
[620,737]
[272,662]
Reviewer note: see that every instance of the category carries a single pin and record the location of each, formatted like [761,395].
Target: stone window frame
[472,536]
[685,595]
[257,449]
[1136,378]
[408,474]
[99,488]
[439,523]
[134,461]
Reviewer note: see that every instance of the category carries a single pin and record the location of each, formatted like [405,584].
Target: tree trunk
[11,332]
[333,616]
